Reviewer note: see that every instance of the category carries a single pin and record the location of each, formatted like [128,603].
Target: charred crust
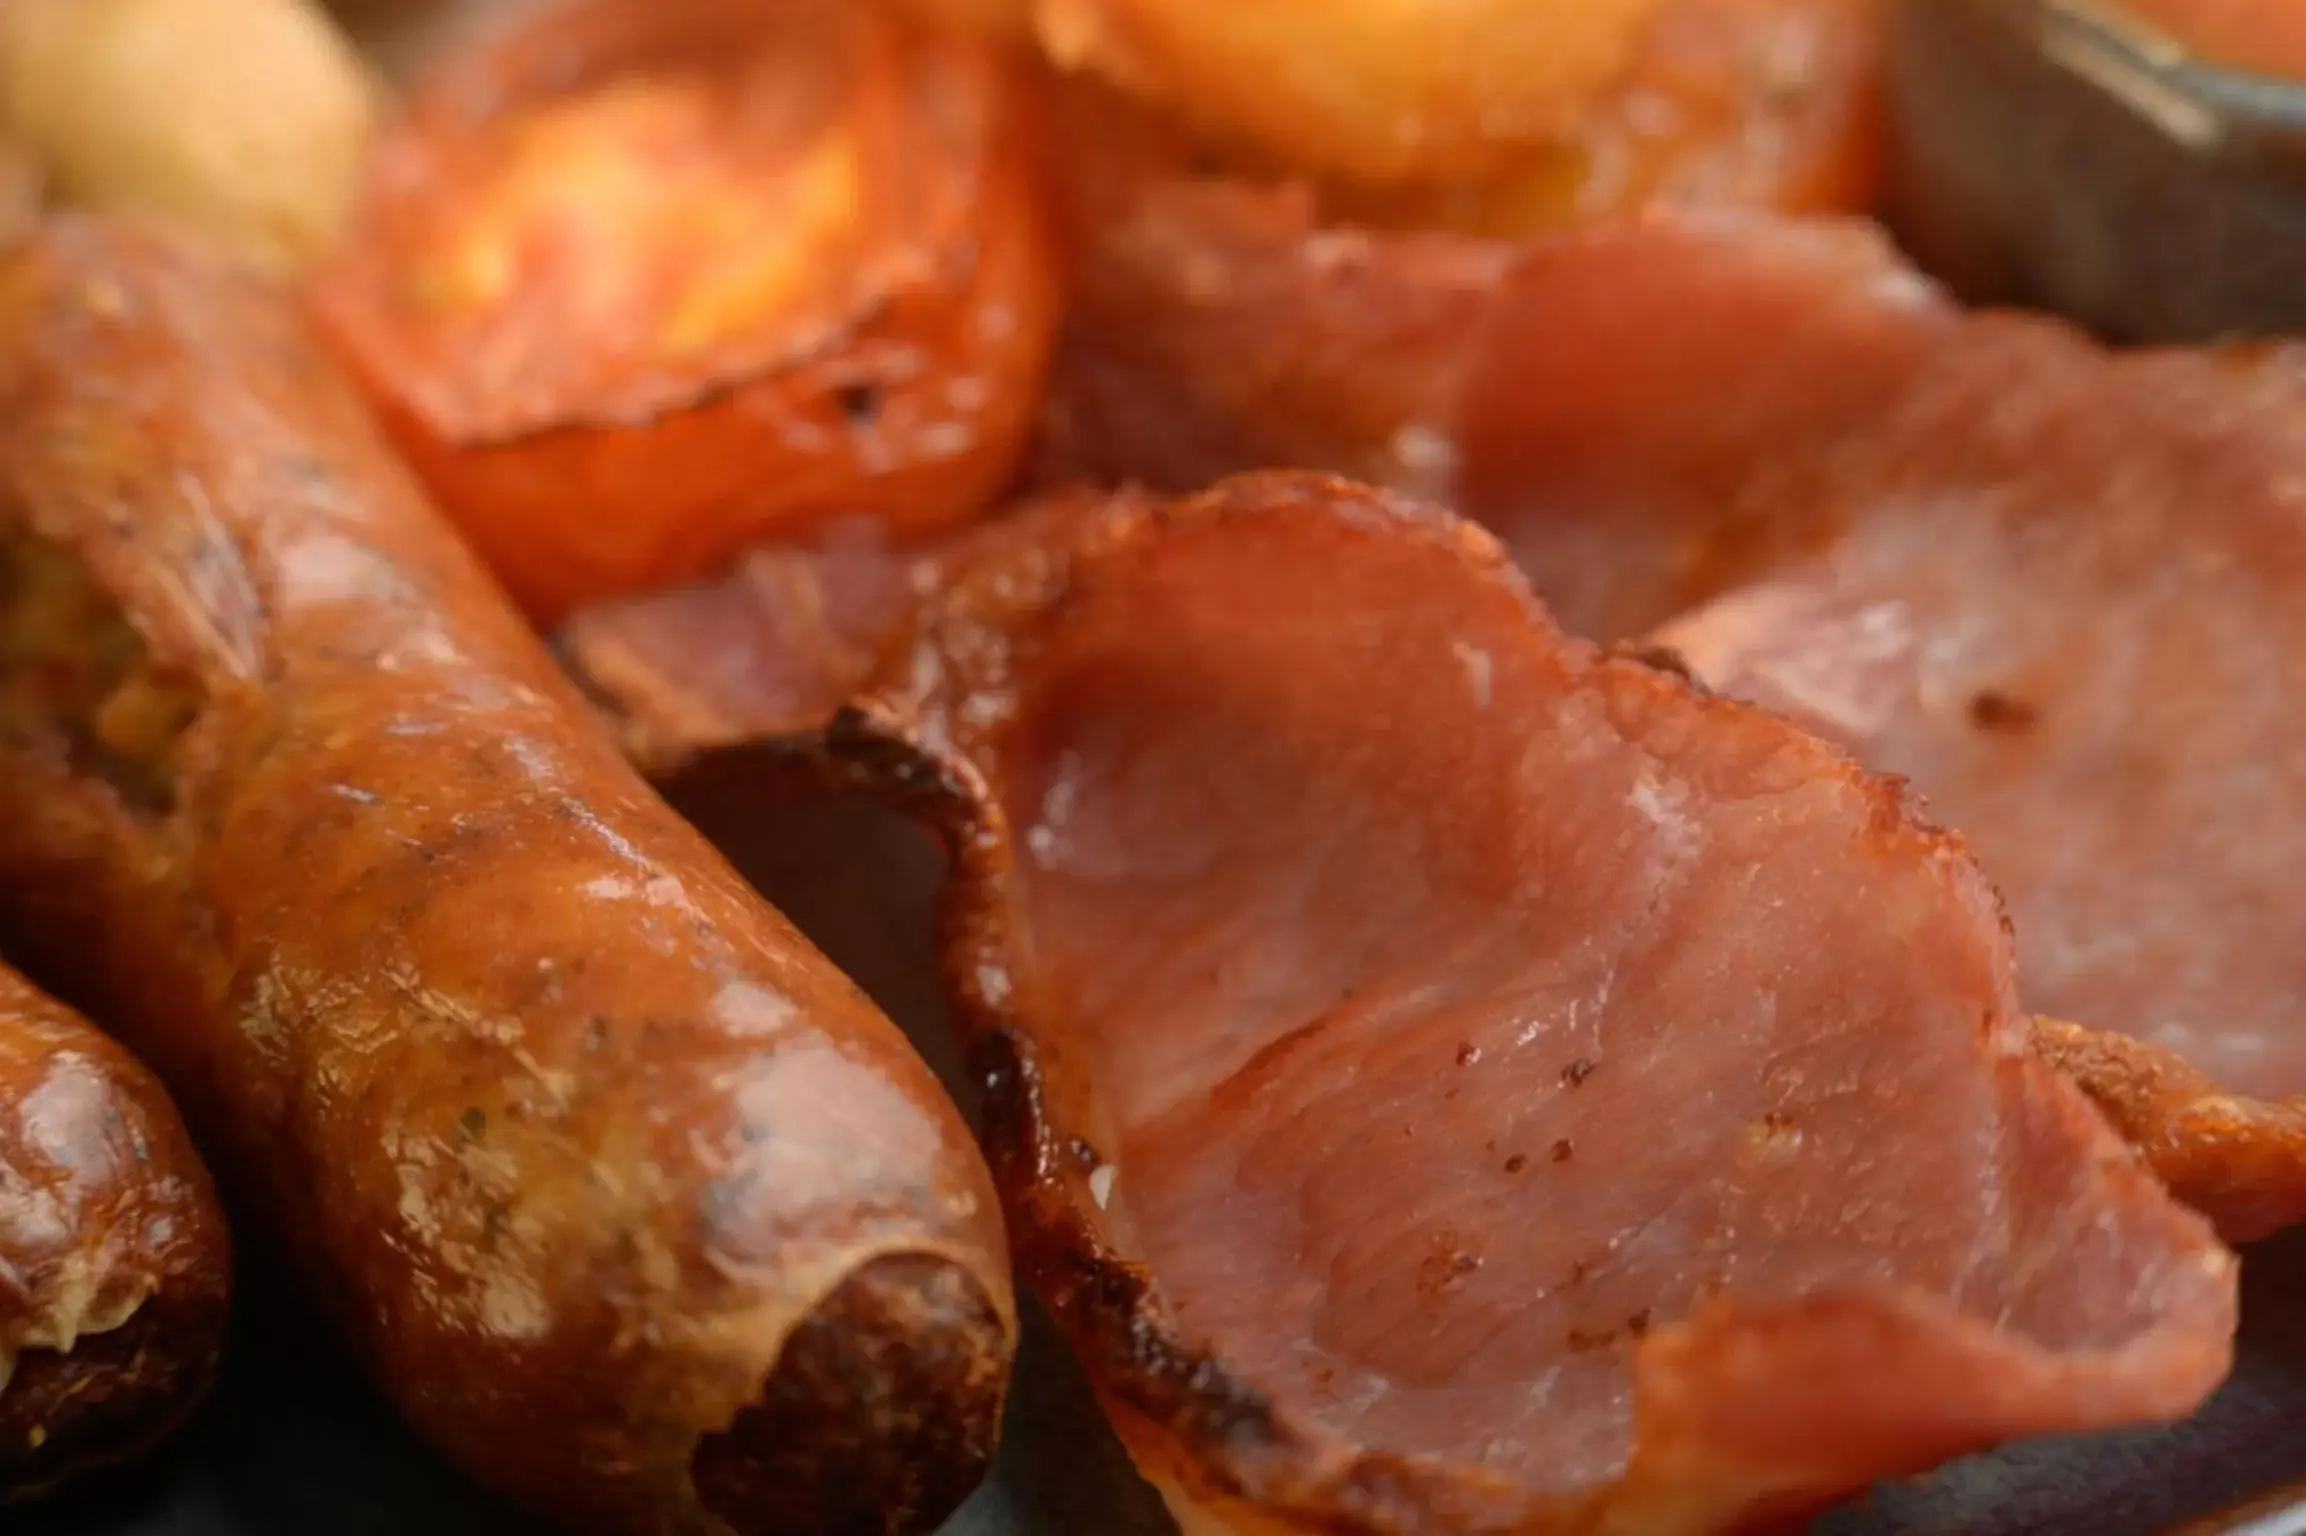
[1003,1064]
[864,748]
[1114,1316]
[1662,659]
[1110,1311]
[880,1417]
[2234,1159]
[112,1395]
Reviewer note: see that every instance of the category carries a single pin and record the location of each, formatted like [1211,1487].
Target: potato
[1366,90]
[1726,104]
[245,120]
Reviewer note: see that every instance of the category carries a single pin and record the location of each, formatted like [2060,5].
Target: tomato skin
[587,432]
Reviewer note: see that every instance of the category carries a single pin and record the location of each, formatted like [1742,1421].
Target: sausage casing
[115,1270]
[635,1206]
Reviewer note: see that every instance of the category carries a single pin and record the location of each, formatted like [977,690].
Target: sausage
[115,1270]
[634,1205]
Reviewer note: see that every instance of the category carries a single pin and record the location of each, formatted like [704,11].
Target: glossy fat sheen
[572,1133]
[114,1265]
[639,283]
[1448,1078]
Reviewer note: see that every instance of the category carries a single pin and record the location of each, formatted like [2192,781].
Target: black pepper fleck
[1991,711]
[860,403]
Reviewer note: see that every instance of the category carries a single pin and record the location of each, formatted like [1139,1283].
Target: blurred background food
[1718,103]
[403,35]
[1375,91]
[2264,36]
[244,120]
[1010,20]
[2064,155]
[21,189]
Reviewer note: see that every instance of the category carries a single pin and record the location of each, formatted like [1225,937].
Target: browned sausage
[115,1270]
[636,1207]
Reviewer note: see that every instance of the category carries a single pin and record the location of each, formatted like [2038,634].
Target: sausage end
[882,1413]
[114,1394]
